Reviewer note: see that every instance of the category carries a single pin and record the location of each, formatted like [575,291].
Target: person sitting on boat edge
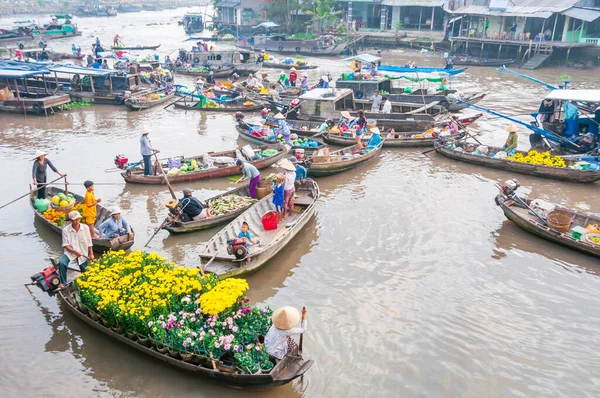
[510,146]
[247,236]
[89,207]
[279,341]
[40,172]
[115,226]
[76,240]
[210,79]
[249,172]
[192,208]
[273,93]
[284,129]
[147,152]
[300,173]
[374,141]
[326,126]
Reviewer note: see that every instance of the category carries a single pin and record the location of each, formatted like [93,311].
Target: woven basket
[560,220]
[264,188]
[64,209]
[321,159]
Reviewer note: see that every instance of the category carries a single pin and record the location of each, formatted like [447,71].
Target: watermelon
[69,196]
[62,196]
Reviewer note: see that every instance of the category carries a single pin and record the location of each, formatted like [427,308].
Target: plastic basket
[270,220]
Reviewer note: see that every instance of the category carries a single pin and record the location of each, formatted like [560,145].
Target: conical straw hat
[286,318]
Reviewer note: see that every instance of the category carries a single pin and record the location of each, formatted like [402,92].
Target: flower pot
[226,366]
[162,349]
[174,354]
[146,342]
[82,308]
[94,316]
[132,336]
[117,329]
[105,323]
[191,358]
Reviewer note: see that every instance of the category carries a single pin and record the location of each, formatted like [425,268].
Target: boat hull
[139,105]
[327,169]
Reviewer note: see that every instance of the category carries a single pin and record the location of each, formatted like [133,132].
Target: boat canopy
[23,66]
[267,25]
[364,58]
[20,74]
[326,94]
[575,95]
[80,70]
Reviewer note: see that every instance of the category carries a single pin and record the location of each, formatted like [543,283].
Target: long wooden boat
[137,176]
[133,48]
[102,214]
[338,164]
[232,106]
[225,72]
[178,226]
[246,68]
[281,65]
[404,69]
[520,215]
[404,140]
[286,370]
[141,102]
[476,61]
[242,129]
[556,173]
[57,56]
[219,262]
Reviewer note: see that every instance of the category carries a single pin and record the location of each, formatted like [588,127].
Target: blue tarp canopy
[20,74]
[80,70]
[23,66]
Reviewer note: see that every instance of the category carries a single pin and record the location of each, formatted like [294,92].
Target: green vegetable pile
[229,203]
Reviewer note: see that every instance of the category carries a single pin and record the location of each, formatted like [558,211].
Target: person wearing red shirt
[293,77]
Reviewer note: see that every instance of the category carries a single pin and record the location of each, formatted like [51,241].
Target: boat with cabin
[322,46]
[407,69]
[193,22]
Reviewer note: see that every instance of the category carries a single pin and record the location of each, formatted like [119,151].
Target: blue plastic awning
[80,70]
[20,74]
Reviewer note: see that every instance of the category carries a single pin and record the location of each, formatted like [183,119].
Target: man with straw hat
[76,240]
[39,172]
[510,146]
[278,340]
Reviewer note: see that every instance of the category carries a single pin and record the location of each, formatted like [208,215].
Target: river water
[416,285]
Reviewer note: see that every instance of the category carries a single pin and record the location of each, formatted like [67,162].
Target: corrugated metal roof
[19,74]
[585,14]
[511,12]
[413,3]
[80,70]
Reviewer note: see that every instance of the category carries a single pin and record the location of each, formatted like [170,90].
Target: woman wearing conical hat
[278,340]
[510,146]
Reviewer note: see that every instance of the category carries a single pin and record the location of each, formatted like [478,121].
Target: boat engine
[239,116]
[121,162]
[237,247]
[174,206]
[47,280]
[510,187]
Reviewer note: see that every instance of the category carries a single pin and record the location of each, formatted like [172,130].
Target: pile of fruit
[63,200]
[187,166]
[248,103]
[228,203]
[213,104]
[535,157]
[58,217]
[595,239]
[305,143]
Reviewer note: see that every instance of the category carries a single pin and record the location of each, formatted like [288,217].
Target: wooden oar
[181,99]
[203,267]
[31,191]
[165,177]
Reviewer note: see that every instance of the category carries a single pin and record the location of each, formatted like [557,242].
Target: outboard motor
[121,162]
[510,187]
[47,280]
[237,248]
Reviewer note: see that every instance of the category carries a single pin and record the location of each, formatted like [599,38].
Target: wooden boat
[244,69]
[337,164]
[143,102]
[475,61]
[102,214]
[219,262]
[556,173]
[178,226]
[323,45]
[216,73]
[56,56]
[404,69]
[133,48]
[242,129]
[281,65]
[286,370]
[520,215]
[232,106]
[221,170]
[404,140]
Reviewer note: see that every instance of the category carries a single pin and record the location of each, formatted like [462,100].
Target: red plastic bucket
[270,221]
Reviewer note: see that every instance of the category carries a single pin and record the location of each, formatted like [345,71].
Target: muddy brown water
[415,283]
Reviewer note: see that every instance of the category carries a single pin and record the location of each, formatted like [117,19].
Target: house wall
[252,12]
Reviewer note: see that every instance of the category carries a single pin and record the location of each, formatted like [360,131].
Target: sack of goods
[237,247]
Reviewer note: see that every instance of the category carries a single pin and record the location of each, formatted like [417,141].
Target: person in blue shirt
[374,141]
[114,226]
[247,236]
[278,189]
[96,64]
[301,172]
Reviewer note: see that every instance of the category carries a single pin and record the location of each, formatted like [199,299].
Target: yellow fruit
[55,199]
[63,203]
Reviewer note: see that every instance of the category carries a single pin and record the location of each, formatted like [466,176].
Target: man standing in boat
[76,240]
[147,152]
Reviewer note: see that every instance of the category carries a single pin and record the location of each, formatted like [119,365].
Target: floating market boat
[215,254]
[281,65]
[576,236]
[133,48]
[323,45]
[401,140]
[230,106]
[102,214]
[177,226]
[476,61]
[247,68]
[339,161]
[221,167]
[57,56]
[286,370]
[538,170]
[405,69]
[204,72]
[243,131]
[145,101]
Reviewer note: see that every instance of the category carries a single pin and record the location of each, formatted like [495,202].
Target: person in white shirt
[376,101]
[76,240]
[278,340]
[386,106]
